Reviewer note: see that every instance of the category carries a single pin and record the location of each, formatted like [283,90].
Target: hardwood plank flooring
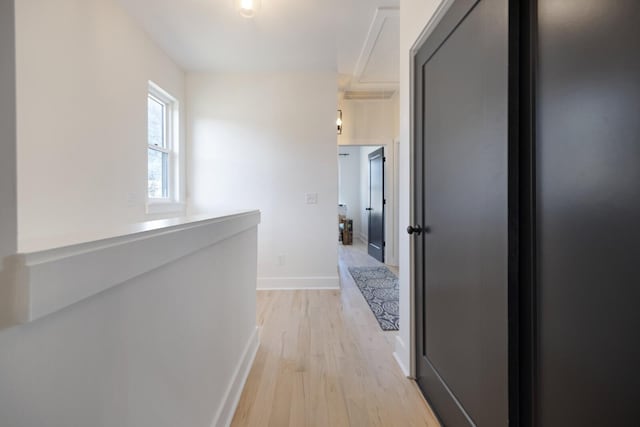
[324,361]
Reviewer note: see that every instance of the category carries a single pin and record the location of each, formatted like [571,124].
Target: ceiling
[378,65]
[351,37]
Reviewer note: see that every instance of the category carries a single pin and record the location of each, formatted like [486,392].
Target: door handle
[414,230]
[368,209]
[417,229]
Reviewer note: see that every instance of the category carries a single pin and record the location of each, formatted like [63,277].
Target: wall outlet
[311,198]
[281,260]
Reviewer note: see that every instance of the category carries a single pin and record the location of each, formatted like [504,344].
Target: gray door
[588,213]
[376,204]
[461,202]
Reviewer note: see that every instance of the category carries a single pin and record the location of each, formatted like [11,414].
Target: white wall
[350,186]
[264,141]
[395,106]
[8,209]
[161,349]
[414,16]
[371,122]
[82,73]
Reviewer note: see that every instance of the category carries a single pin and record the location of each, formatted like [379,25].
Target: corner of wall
[234,138]
[92,71]
[227,410]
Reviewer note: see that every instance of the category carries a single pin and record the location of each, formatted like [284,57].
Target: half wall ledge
[49,275]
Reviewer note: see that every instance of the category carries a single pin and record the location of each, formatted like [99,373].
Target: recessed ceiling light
[248,8]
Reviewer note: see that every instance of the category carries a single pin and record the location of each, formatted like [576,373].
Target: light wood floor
[323,361]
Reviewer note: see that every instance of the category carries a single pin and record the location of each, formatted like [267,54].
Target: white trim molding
[298,283]
[435,19]
[383,14]
[369,142]
[227,409]
[401,354]
[49,278]
[165,207]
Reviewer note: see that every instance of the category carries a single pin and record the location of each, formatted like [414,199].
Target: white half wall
[83,68]
[414,16]
[170,347]
[8,200]
[268,140]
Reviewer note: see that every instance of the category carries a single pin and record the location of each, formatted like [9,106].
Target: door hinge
[384,202]
[384,159]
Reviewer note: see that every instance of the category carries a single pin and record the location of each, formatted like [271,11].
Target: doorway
[363,195]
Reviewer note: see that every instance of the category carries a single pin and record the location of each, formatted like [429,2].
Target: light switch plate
[311,198]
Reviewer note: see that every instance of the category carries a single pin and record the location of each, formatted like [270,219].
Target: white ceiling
[378,66]
[287,35]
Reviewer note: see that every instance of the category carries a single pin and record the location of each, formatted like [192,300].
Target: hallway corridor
[323,361]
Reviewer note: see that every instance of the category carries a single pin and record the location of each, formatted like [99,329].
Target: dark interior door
[461,202]
[588,210]
[376,204]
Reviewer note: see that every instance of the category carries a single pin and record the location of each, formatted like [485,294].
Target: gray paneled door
[376,204]
[461,212]
[526,191]
[588,210]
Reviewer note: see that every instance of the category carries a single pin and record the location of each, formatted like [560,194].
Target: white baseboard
[232,396]
[400,354]
[297,283]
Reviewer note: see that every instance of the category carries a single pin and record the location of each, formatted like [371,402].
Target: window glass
[158,186]
[162,150]
[156,122]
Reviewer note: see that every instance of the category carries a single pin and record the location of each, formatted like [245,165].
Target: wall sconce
[339,122]
[248,8]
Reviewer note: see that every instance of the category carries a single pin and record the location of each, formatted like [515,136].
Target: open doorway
[368,173]
[362,198]
[364,206]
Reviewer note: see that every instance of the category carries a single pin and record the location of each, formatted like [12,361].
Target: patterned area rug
[379,286]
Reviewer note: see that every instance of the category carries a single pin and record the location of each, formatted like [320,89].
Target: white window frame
[174,203]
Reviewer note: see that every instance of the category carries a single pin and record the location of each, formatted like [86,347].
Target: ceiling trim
[367,95]
[382,14]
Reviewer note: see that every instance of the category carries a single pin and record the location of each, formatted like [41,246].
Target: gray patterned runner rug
[379,286]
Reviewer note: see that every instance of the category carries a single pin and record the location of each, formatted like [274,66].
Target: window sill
[160,207]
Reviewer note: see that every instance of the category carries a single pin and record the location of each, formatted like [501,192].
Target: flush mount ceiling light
[248,8]
[339,122]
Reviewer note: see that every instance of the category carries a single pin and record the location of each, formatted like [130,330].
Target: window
[163,191]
